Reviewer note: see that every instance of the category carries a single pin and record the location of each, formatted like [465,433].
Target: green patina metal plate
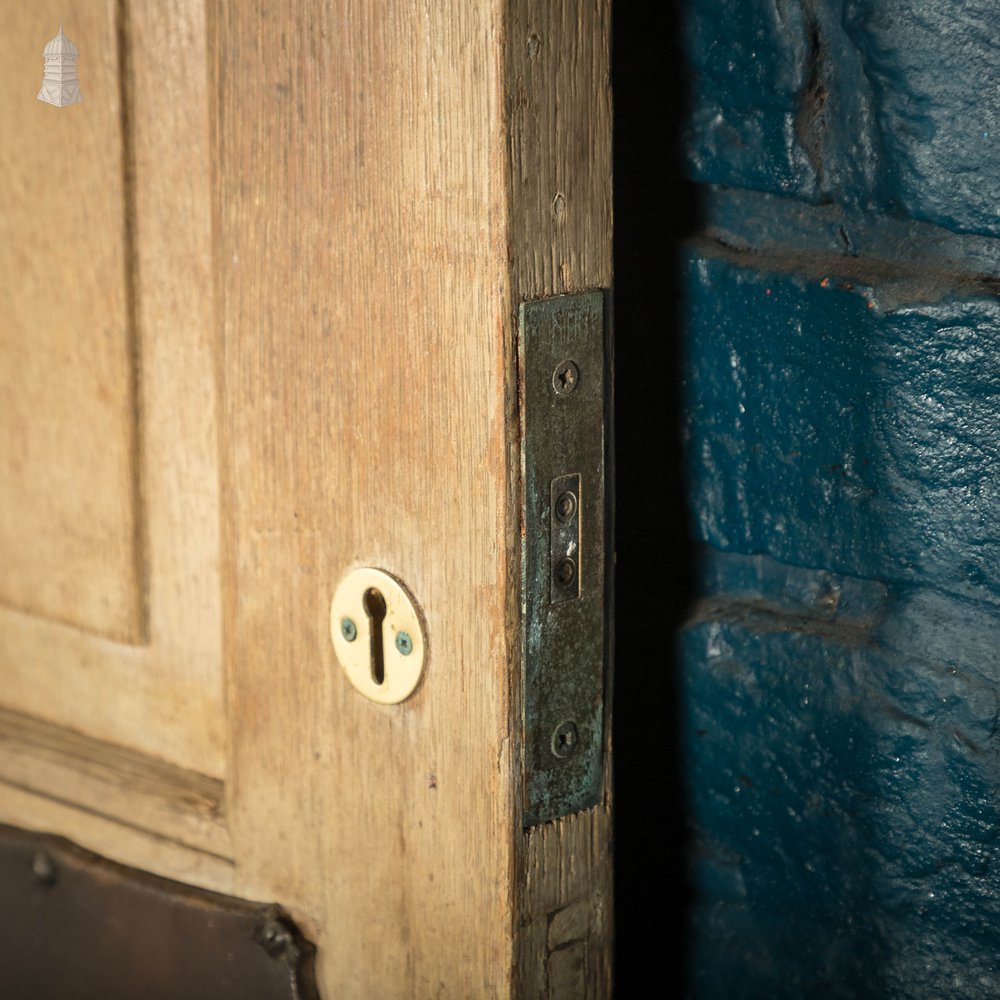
[565,572]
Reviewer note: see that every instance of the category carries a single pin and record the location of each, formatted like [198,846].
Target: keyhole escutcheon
[382,648]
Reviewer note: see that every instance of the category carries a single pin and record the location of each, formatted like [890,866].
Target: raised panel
[70,531]
[147,679]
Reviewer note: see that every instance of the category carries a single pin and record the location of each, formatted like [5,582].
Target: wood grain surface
[365,360]
[129,845]
[124,193]
[107,780]
[558,122]
[69,549]
[408,176]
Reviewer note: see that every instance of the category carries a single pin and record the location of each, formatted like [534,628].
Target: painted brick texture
[831,434]
[889,104]
[841,673]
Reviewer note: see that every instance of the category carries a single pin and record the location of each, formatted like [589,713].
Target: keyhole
[374,604]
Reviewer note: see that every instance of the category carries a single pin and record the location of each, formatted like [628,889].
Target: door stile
[558,129]
[392,182]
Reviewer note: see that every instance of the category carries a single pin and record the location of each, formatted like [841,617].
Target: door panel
[109,527]
[69,546]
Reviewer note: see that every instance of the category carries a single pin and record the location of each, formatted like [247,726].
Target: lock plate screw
[565,378]
[565,739]
[274,937]
[565,572]
[565,506]
[404,643]
[348,629]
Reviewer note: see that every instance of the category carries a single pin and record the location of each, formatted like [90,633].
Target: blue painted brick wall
[883,103]
[827,432]
[841,673]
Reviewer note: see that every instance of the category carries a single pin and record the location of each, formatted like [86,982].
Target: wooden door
[261,292]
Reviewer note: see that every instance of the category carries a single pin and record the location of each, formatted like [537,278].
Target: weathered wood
[111,781]
[127,844]
[558,119]
[69,510]
[130,226]
[564,940]
[558,96]
[361,255]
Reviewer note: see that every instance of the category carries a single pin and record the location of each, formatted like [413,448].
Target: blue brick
[829,433]
[781,101]
[844,809]
[934,72]
[883,105]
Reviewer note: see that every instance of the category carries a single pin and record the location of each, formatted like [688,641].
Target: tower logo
[60,85]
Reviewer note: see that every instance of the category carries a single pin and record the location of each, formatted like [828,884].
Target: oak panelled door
[259,327]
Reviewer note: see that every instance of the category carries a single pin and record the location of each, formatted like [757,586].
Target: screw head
[43,868]
[404,643]
[565,572]
[274,937]
[565,506]
[565,739]
[565,378]
[348,629]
